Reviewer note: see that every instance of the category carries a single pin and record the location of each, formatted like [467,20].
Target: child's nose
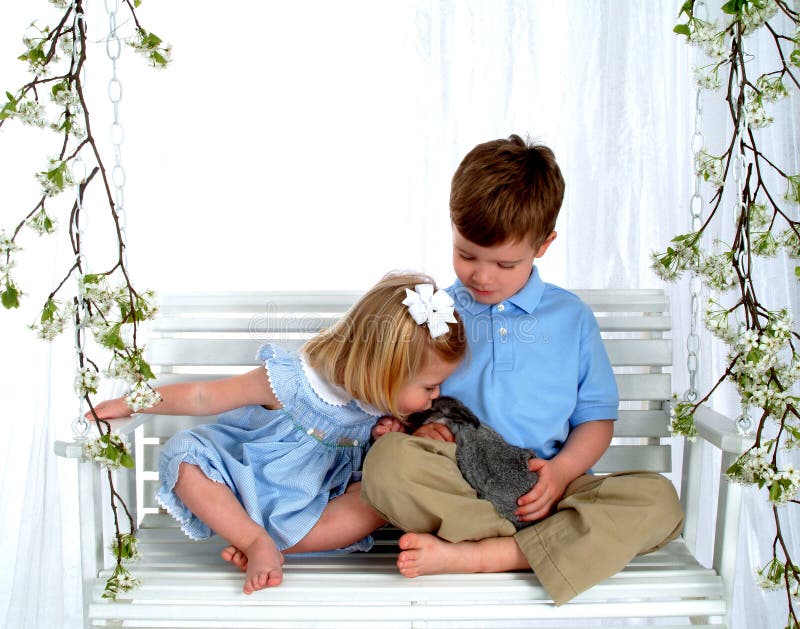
[479,275]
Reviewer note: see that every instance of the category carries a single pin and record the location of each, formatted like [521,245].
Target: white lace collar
[331,393]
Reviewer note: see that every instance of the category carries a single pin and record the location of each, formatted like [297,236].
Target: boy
[538,373]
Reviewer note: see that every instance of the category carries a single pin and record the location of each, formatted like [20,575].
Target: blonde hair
[377,347]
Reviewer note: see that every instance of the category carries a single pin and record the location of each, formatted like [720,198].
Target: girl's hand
[539,501]
[110,409]
[385,425]
[440,432]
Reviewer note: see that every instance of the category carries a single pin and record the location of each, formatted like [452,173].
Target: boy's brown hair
[506,190]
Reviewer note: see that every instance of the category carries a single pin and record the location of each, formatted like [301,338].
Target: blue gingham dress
[283,465]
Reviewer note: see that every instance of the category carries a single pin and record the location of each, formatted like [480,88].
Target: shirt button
[500,307]
[503,331]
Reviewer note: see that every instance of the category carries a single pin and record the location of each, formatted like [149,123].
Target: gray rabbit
[497,470]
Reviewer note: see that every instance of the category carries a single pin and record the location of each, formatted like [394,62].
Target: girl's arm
[583,448]
[202,398]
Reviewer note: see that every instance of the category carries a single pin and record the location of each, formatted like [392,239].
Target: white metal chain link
[113,50]
[744,424]
[80,425]
[696,210]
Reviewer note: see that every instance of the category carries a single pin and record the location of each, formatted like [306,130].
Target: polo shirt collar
[529,296]
[526,299]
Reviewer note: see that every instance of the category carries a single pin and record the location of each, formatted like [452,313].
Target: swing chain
[744,423]
[113,50]
[695,284]
[80,425]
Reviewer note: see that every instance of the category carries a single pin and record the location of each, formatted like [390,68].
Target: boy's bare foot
[422,553]
[263,563]
[233,555]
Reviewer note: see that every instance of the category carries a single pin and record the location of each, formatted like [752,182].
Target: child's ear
[547,242]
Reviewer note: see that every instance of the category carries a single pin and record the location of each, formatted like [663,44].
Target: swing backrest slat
[209,336]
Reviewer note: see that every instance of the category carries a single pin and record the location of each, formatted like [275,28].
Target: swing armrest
[129,424]
[74,449]
[720,431]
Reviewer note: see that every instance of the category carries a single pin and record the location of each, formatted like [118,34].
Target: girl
[273,475]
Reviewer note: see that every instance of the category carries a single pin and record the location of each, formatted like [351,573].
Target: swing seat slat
[186,584]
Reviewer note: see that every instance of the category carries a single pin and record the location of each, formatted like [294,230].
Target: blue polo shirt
[536,366]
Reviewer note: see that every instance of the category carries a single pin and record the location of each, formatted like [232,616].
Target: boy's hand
[386,424]
[539,501]
[440,432]
[110,409]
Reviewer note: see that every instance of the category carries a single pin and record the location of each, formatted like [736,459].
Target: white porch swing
[185,584]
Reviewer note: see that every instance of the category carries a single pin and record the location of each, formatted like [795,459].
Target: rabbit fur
[497,470]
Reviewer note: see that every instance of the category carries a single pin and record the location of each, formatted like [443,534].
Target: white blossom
[64,94]
[42,223]
[141,397]
[771,89]
[793,190]
[86,381]
[710,168]
[757,116]
[31,113]
[710,37]
[7,245]
[718,271]
[707,79]
[753,17]
[716,321]
[122,368]
[107,450]
[757,216]
[791,241]
[67,45]
[5,267]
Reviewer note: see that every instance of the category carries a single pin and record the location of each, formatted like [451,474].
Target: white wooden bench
[186,584]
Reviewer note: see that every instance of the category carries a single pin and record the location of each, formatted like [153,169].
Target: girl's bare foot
[233,555]
[263,563]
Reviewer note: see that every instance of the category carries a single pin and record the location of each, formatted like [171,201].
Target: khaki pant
[601,523]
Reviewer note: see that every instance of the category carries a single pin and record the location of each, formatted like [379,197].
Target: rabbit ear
[461,413]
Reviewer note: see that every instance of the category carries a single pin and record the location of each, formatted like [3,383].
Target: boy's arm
[202,398]
[583,448]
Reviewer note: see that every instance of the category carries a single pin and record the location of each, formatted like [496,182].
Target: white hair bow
[435,309]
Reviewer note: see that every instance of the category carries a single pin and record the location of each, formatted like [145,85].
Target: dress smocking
[284,465]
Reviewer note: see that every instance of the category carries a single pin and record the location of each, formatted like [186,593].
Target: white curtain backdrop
[310,146]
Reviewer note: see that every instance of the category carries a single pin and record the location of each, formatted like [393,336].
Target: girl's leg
[217,506]
[344,521]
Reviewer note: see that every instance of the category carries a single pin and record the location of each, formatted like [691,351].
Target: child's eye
[507,266]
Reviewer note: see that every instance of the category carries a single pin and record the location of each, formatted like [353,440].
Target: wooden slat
[654,423]
[631,423]
[634,324]
[618,458]
[600,300]
[171,351]
[639,352]
[272,323]
[639,457]
[644,387]
[316,301]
